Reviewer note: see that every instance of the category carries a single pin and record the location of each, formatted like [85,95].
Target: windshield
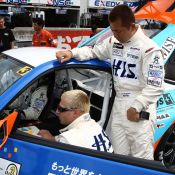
[98,38]
[150,27]
[11,70]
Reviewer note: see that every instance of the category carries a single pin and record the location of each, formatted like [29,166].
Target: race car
[24,152]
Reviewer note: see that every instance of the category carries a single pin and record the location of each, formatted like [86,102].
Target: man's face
[65,115]
[121,33]
[2,23]
[36,27]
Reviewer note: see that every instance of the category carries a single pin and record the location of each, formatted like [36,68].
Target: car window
[97,84]
[11,70]
[151,27]
[98,38]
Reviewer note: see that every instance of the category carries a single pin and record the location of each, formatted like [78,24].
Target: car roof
[33,56]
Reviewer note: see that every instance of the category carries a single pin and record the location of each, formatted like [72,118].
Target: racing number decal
[24,70]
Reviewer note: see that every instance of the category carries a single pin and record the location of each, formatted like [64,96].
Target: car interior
[97,84]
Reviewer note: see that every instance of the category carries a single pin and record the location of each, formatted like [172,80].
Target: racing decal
[168,47]
[123,69]
[110,40]
[117,49]
[8,167]
[24,70]
[163,116]
[160,125]
[165,100]
[134,48]
[149,50]
[154,81]
[133,56]
[102,142]
[156,67]
[117,52]
[155,73]
[156,60]
[117,46]
[68,169]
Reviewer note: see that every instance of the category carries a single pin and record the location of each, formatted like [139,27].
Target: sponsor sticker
[135,57]
[168,47]
[118,46]
[160,125]
[8,167]
[155,67]
[154,81]
[117,52]
[155,73]
[156,60]
[163,116]
[24,70]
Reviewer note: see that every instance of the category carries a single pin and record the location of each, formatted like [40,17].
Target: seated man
[80,130]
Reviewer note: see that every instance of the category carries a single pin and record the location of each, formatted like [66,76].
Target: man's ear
[77,113]
[133,26]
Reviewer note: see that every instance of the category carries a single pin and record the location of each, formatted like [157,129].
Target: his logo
[123,69]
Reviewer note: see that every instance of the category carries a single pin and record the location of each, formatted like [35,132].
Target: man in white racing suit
[138,72]
[81,130]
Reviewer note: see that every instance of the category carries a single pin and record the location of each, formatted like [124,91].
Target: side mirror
[6,126]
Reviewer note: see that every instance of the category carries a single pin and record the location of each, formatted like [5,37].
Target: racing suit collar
[82,118]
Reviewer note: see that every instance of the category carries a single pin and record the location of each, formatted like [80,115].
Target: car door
[27,154]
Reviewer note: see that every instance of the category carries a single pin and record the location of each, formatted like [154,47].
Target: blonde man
[81,130]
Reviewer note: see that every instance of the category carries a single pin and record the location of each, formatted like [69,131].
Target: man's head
[94,29]
[2,22]
[73,104]
[122,23]
[38,24]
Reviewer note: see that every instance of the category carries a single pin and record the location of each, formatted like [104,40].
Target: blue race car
[24,153]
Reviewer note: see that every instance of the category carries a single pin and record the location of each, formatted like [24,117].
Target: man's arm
[46,135]
[101,51]
[12,39]
[12,44]
[153,72]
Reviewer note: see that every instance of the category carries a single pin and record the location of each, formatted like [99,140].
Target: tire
[165,151]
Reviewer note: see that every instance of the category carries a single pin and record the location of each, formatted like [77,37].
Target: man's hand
[46,134]
[63,56]
[132,115]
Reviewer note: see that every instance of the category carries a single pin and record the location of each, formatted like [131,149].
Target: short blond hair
[77,99]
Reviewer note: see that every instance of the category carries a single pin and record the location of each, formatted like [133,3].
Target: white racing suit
[31,102]
[87,133]
[138,73]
